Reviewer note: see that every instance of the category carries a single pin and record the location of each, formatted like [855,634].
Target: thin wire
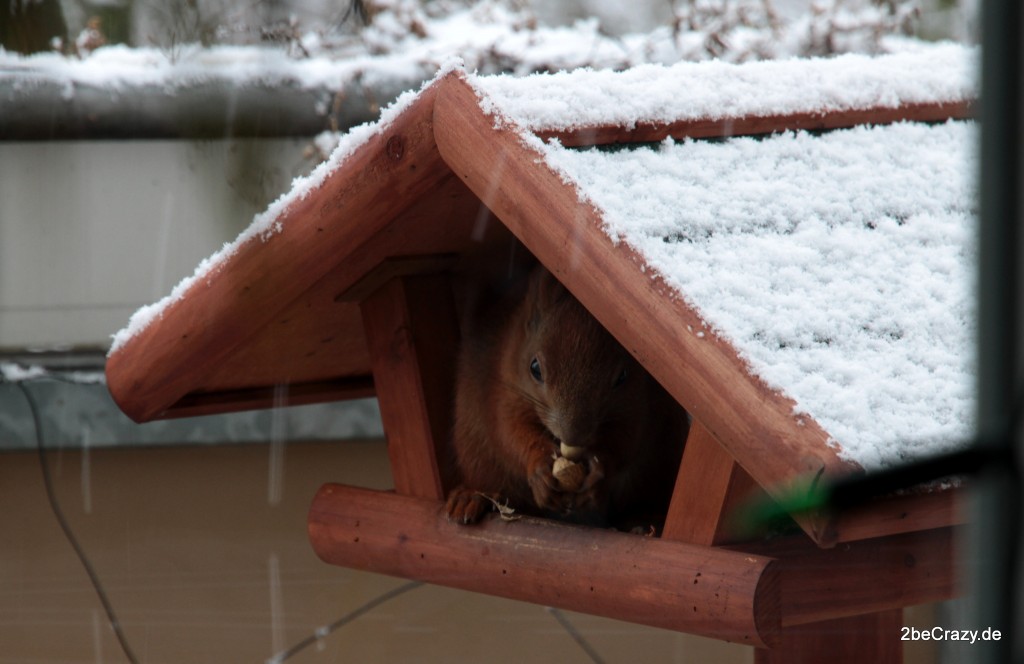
[323,632]
[317,635]
[115,624]
[51,495]
[575,634]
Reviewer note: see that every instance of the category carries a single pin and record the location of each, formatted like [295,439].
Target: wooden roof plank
[907,513]
[704,373]
[162,363]
[273,396]
[309,341]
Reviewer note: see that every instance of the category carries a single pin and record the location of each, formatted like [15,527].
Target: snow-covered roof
[840,266]
[658,94]
[822,281]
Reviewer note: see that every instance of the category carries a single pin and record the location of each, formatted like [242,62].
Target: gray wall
[92,230]
[83,416]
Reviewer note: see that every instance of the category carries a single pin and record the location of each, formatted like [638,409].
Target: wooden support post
[873,637]
[709,486]
[722,594]
[412,334]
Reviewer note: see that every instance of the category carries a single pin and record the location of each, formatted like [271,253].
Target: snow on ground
[120,69]
[405,42]
[15,373]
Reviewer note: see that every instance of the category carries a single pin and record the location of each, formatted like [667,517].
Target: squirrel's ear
[544,293]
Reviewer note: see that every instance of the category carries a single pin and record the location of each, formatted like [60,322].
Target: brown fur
[592,394]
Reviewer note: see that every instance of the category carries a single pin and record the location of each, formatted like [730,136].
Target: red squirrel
[538,377]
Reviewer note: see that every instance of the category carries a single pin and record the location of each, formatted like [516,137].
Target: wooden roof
[442,180]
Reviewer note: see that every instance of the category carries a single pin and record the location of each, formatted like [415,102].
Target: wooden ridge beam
[648,132]
[717,593]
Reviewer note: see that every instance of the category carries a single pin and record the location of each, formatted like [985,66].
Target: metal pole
[997,518]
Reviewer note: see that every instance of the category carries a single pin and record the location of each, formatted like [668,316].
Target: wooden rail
[714,592]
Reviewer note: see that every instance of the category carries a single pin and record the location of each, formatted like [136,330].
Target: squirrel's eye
[535,370]
[620,379]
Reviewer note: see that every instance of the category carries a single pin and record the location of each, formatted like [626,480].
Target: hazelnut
[568,474]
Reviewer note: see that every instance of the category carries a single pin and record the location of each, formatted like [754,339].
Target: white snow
[119,68]
[840,267]
[487,40]
[711,90]
[12,372]
[409,41]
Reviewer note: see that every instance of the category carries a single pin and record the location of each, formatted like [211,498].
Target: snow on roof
[712,90]
[840,266]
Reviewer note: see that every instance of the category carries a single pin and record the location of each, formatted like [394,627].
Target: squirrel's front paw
[547,493]
[467,506]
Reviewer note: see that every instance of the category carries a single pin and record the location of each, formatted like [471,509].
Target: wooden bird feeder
[350,287]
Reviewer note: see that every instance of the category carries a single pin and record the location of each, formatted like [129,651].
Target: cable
[323,632]
[115,624]
[576,636]
[317,635]
[51,495]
